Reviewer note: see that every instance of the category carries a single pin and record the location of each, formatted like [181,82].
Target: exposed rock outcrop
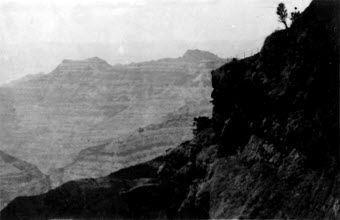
[270,151]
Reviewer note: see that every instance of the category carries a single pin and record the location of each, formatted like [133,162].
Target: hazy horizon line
[118,60]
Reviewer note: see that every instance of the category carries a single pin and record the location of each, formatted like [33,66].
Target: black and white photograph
[169,109]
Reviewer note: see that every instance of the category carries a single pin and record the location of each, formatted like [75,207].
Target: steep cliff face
[18,178]
[89,102]
[270,150]
[291,85]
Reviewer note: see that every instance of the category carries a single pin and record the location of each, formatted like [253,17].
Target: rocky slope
[270,150]
[18,178]
[87,103]
[139,146]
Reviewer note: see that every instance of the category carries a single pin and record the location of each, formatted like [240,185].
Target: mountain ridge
[198,55]
[269,151]
[51,120]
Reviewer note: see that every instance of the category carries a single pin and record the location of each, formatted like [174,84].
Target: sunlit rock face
[90,103]
[19,178]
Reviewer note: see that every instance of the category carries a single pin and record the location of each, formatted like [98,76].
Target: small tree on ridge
[281,11]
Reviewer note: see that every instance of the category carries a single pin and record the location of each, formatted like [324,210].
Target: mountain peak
[96,60]
[93,62]
[199,55]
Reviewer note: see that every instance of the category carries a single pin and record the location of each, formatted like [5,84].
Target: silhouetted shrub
[282,12]
[294,15]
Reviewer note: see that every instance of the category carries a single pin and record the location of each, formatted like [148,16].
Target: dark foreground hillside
[270,150]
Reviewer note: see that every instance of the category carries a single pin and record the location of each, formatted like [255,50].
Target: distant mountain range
[269,151]
[88,118]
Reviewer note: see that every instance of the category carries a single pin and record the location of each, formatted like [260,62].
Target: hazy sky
[35,35]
